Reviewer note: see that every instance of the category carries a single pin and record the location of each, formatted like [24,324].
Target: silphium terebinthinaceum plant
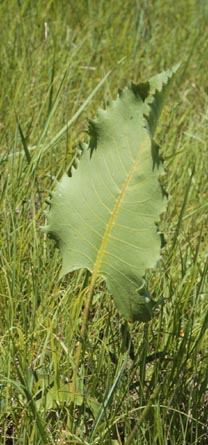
[105,215]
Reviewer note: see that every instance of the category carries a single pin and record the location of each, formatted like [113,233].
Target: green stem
[82,334]
[143,416]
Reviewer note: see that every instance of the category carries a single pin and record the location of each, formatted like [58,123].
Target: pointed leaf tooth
[80,150]
[92,131]
[73,169]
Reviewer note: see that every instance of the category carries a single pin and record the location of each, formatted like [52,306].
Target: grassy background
[52,56]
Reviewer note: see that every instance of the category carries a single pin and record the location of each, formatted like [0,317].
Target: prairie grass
[59,62]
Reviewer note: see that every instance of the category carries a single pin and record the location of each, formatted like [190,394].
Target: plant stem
[82,334]
[143,416]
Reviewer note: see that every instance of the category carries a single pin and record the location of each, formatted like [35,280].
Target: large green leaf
[104,216]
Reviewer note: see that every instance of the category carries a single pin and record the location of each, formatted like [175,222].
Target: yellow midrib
[109,227]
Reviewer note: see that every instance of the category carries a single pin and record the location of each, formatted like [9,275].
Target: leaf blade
[105,215]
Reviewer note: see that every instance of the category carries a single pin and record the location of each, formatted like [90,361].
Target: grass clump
[52,58]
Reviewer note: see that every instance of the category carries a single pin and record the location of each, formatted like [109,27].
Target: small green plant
[104,216]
